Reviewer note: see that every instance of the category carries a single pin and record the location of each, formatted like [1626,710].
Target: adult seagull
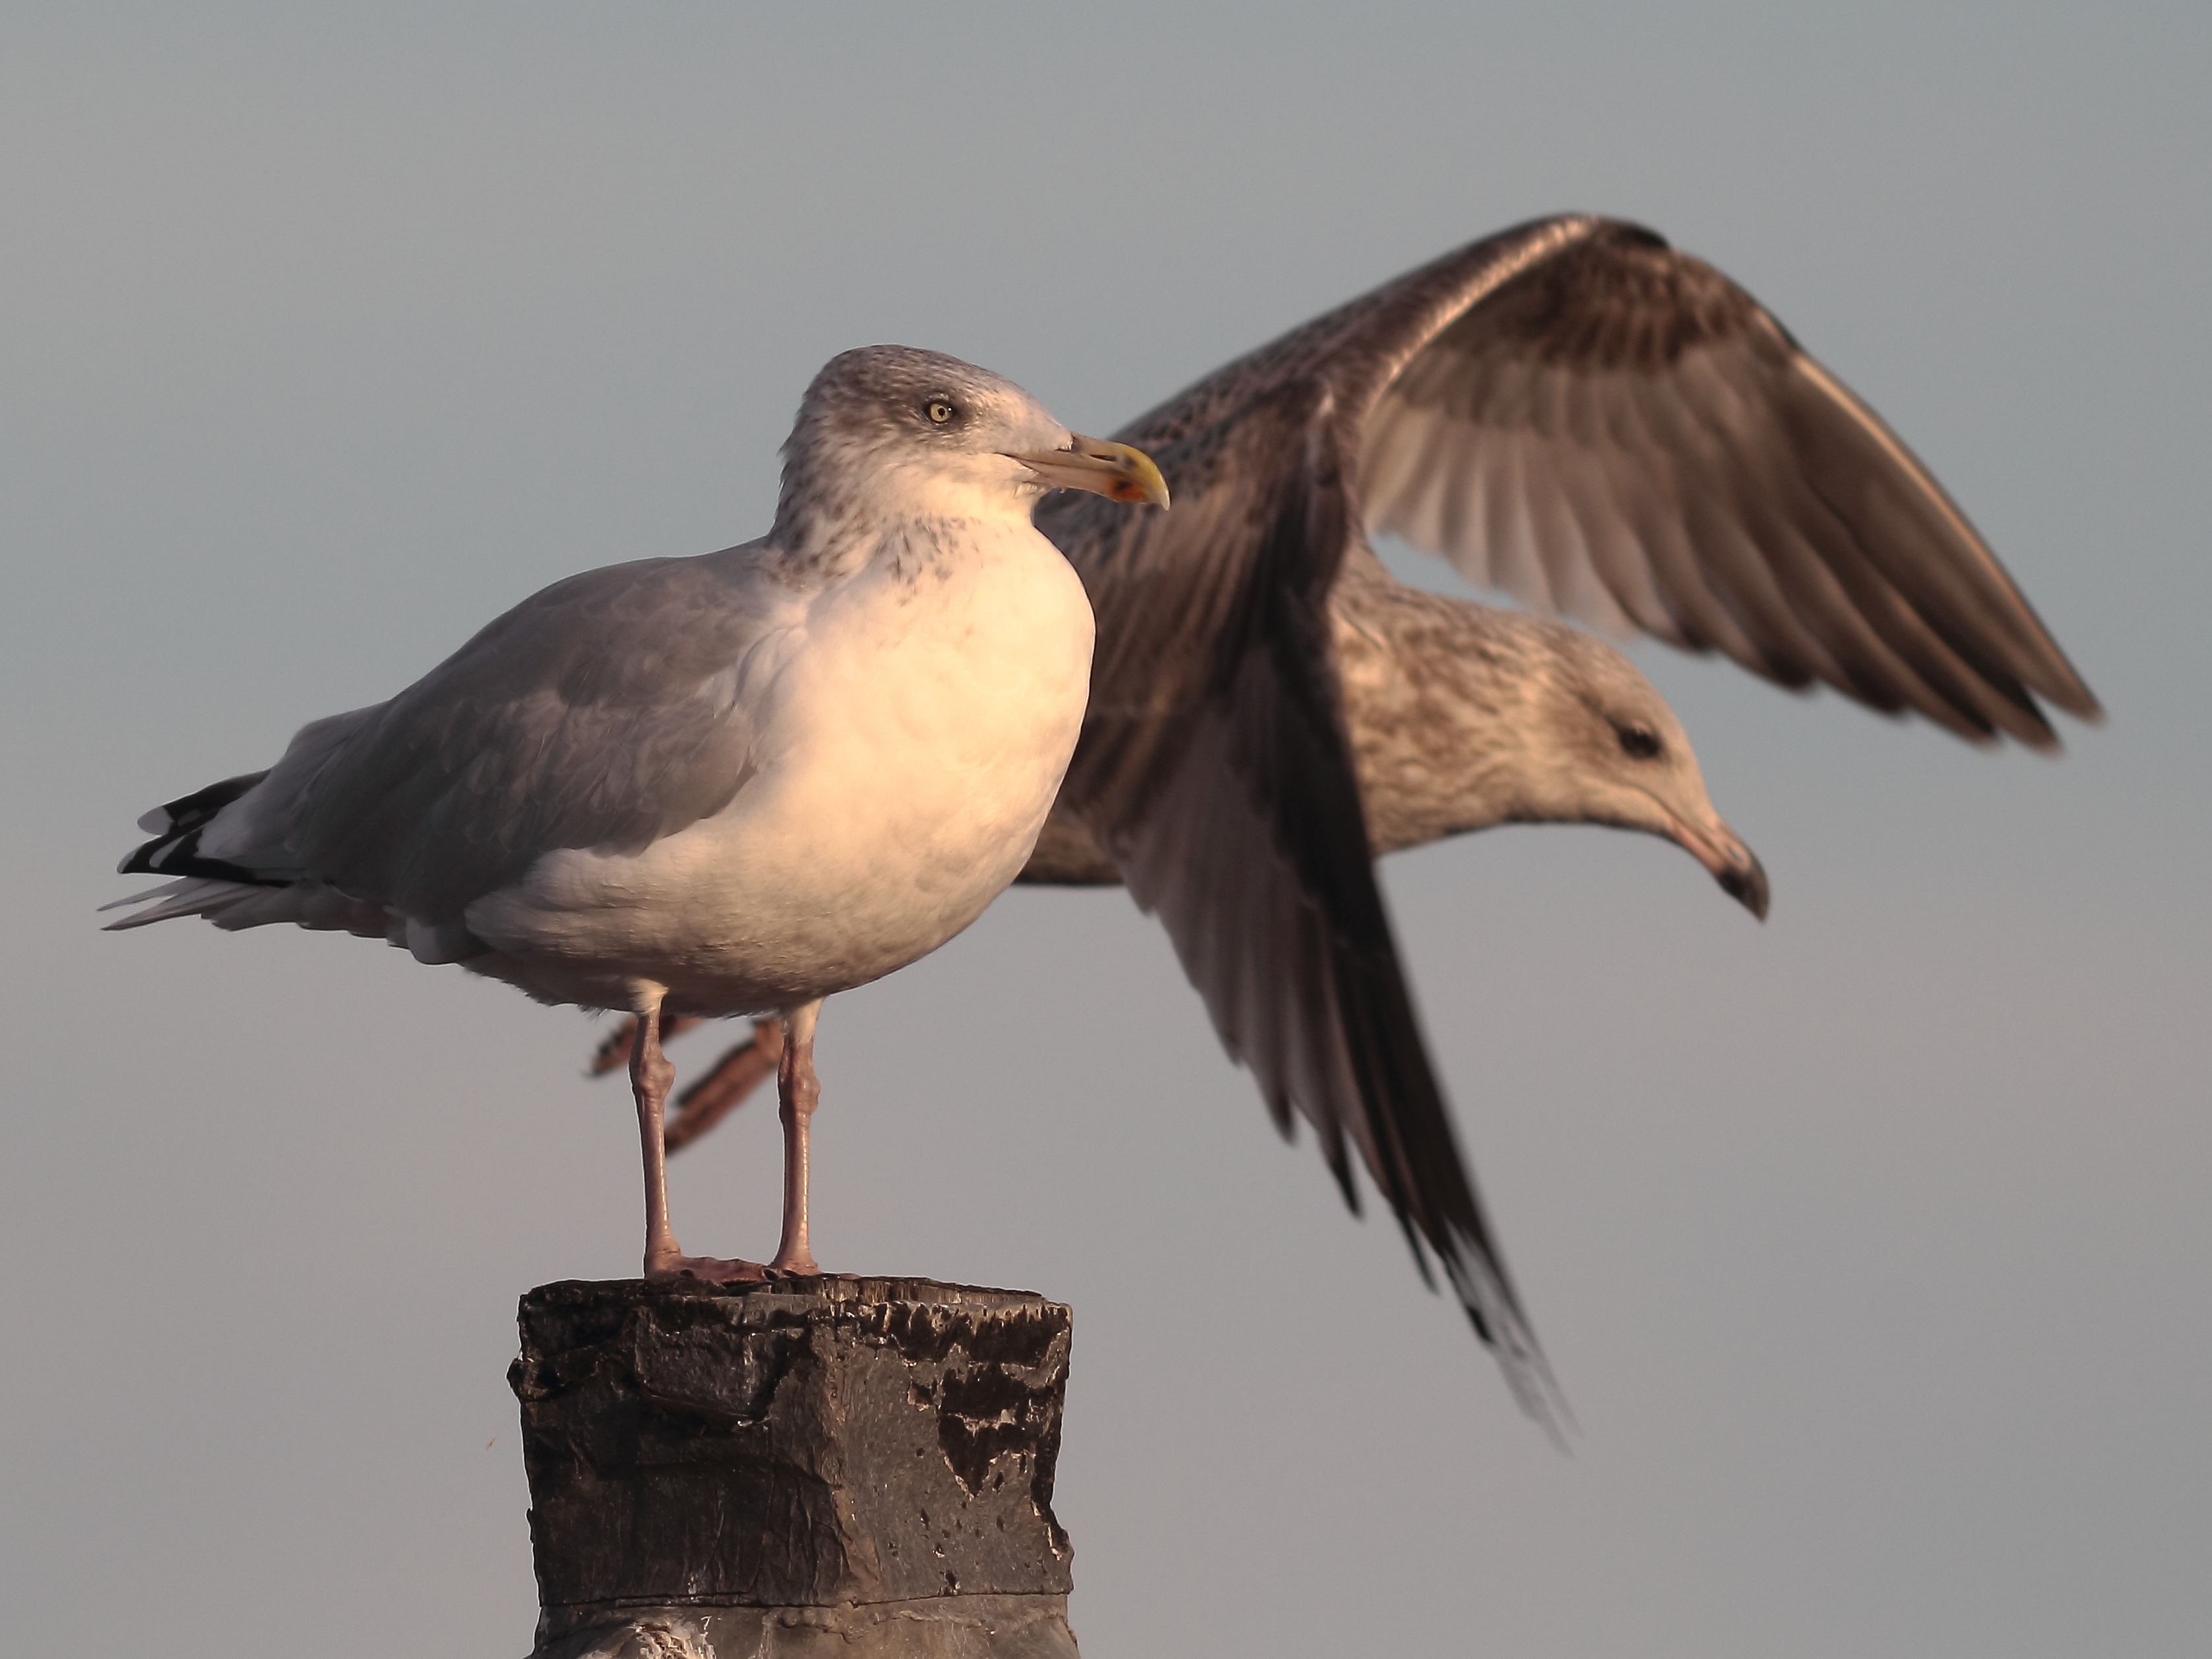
[718,785]
[1606,428]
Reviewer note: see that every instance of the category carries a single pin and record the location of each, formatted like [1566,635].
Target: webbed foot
[711,1270]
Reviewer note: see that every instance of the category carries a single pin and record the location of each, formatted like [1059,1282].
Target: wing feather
[600,713]
[1216,770]
[1726,453]
[1569,409]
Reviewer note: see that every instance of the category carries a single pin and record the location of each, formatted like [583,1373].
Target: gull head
[888,434]
[1603,747]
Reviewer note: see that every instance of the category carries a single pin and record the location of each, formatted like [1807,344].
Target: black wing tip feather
[1421,1264]
[175,848]
[179,856]
[1340,1166]
[1414,1156]
[1250,642]
[190,812]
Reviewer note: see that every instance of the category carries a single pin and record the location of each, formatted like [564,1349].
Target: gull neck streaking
[911,449]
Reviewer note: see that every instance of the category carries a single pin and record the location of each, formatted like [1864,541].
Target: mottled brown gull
[742,781]
[1609,430]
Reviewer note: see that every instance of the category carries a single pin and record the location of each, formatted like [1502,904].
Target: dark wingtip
[2086,709]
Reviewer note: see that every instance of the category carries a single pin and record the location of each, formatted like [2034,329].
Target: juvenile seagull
[719,784]
[1609,429]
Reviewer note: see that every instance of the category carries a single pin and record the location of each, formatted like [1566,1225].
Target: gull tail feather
[233,905]
[190,896]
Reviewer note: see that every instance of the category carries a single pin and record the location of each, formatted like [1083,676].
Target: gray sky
[1871,1246]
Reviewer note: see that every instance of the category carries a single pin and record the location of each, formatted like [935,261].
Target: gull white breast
[727,784]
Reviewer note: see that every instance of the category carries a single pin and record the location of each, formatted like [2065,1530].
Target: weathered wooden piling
[862,1468]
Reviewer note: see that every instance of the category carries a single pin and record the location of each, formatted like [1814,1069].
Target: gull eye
[939,411]
[1637,741]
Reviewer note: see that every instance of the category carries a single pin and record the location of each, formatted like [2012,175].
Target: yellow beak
[1114,471]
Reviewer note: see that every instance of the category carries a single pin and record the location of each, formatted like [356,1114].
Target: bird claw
[713,1270]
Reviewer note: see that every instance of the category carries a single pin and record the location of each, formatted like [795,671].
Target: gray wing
[1215,769]
[600,713]
[1620,434]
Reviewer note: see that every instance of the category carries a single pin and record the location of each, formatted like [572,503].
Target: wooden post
[857,1467]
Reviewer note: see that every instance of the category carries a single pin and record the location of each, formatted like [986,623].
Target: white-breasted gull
[1607,429]
[719,784]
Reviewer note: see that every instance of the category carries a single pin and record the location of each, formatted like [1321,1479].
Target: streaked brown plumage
[1607,429]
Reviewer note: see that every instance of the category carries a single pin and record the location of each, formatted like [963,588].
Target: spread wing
[1620,434]
[600,713]
[1569,409]
[1215,768]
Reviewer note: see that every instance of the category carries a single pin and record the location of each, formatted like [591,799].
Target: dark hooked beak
[1104,468]
[1733,864]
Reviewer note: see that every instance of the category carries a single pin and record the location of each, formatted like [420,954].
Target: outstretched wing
[1216,770]
[1620,434]
[1568,409]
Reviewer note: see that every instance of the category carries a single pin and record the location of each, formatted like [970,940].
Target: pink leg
[714,1096]
[650,1074]
[613,1054]
[797,1092]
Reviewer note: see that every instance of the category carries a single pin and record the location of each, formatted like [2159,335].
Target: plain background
[1870,1246]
